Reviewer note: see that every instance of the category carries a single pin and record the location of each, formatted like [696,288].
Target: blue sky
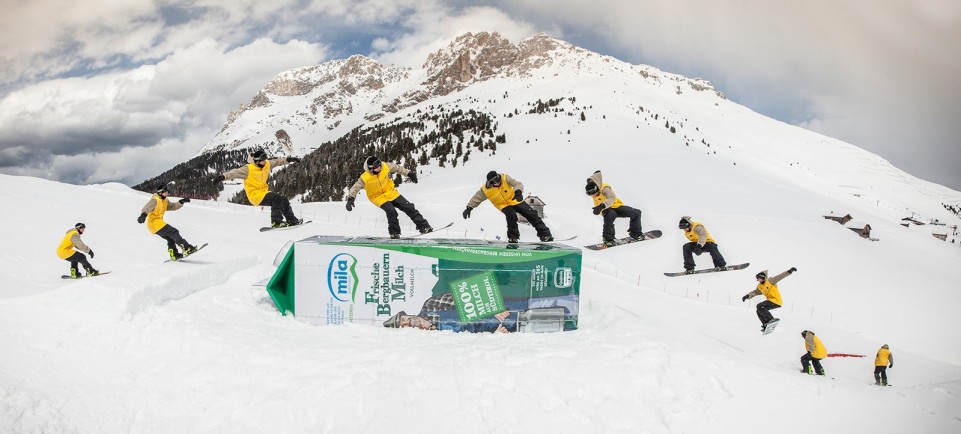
[119,90]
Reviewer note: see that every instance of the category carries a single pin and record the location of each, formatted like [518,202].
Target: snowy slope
[193,347]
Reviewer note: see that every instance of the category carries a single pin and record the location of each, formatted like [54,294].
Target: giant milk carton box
[431,284]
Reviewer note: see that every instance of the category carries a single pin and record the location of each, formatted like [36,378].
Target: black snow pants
[401,203]
[692,248]
[807,359]
[79,258]
[611,214]
[510,213]
[279,208]
[173,238]
[881,374]
[763,311]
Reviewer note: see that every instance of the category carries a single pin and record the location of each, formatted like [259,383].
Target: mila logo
[341,277]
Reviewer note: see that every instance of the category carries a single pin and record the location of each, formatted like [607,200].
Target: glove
[91,253]
[791,270]
[598,209]
[698,249]
[350,203]
[891,366]
[743,299]
[518,195]
[220,178]
[466,212]
[184,200]
[293,159]
[413,176]
[142,218]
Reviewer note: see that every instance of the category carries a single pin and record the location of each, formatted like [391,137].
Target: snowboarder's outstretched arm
[751,295]
[477,199]
[397,168]
[774,280]
[238,173]
[357,187]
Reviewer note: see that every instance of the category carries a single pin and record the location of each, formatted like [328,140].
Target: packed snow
[198,346]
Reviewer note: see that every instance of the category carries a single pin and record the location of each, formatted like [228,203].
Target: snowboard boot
[547,238]
[426,229]
[512,240]
[883,382]
[877,382]
[639,237]
[394,236]
[295,222]
[92,272]
[174,255]
[278,224]
[609,243]
[75,273]
[688,271]
[188,249]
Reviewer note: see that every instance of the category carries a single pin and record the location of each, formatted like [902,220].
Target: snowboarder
[700,242]
[506,194]
[68,250]
[882,362]
[768,288]
[377,183]
[608,205]
[153,214]
[255,175]
[815,351]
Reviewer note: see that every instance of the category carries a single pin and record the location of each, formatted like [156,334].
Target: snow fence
[433,284]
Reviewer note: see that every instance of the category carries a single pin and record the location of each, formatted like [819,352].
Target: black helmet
[591,188]
[760,275]
[259,155]
[372,162]
[161,188]
[683,224]
[79,226]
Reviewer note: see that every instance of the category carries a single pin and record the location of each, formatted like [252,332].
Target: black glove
[891,366]
[791,270]
[413,176]
[743,299]
[293,159]
[698,249]
[518,195]
[142,218]
[220,178]
[91,253]
[466,212]
[350,203]
[184,200]
[598,209]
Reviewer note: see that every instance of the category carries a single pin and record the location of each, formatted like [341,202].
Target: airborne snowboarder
[68,250]
[506,194]
[255,175]
[377,183]
[769,289]
[610,207]
[153,214]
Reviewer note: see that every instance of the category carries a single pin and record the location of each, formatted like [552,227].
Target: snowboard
[626,240]
[187,256]
[710,270]
[65,276]
[268,228]
[433,230]
[769,327]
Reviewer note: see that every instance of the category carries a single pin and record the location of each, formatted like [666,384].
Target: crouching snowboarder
[506,194]
[610,207]
[700,241]
[255,175]
[815,351]
[153,214]
[70,248]
[377,183]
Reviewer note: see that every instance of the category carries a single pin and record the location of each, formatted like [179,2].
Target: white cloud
[177,104]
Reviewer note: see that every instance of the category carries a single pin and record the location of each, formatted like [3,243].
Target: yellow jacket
[697,233]
[814,346]
[501,196]
[69,242]
[769,288]
[155,209]
[255,178]
[884,357]
[379,187]
[605,194]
